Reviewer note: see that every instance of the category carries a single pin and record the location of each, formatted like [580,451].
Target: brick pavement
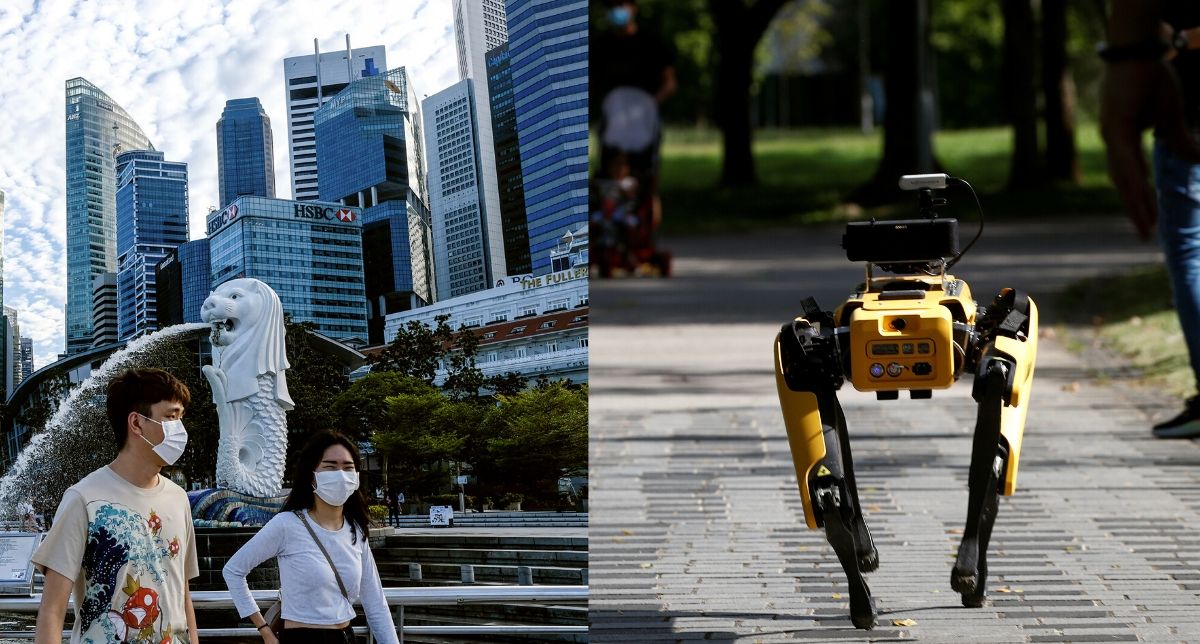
[696,525]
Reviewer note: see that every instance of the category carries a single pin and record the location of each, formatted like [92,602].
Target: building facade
[245,152]
[152,220]
[532,325]
[370,151]
[26,358]
[480,26]
[183,279]
[104,309]
[310,253]
[12,350]
[308,85]
[548,48]
[97,130]
[468,241]
[513,223]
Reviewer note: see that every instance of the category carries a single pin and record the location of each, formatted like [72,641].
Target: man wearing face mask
[325,562]
[122,539]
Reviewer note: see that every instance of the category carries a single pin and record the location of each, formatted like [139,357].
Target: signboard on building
[576,273]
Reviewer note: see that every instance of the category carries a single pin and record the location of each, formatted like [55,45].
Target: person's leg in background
[1178,186]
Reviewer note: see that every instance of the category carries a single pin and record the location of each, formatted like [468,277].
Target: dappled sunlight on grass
[805,176]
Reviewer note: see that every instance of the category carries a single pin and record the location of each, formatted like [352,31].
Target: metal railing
[396,597]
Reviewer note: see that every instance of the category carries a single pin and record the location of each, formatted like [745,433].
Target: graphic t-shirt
[130,551]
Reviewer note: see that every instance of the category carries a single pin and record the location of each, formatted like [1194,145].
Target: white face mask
[334,487]
[175,438]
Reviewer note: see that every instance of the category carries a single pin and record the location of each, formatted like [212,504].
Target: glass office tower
[152,220]
[548,45]
[245,158]
[513,223]
[370,154]
[310,252]
[97,130]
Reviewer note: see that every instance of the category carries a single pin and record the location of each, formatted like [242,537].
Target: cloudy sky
[171,64]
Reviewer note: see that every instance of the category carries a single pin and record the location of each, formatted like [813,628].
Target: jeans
[1178,184]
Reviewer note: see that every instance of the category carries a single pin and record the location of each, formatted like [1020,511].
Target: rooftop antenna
[317,57]
[349,59]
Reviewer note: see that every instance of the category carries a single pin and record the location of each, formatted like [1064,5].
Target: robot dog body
[917,331]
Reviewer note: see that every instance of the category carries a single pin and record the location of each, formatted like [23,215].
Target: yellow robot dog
[917,329]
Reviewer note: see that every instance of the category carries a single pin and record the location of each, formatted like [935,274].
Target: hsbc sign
[326,213]
[218,221]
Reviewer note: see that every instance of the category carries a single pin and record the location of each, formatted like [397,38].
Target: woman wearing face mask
[317,604]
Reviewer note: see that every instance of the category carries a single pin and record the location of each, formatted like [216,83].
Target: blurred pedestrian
[122,540]
[325,561]
[631,72]
[1152,79]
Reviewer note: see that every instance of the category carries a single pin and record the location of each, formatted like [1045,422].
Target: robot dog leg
[807,377]
[1008,346]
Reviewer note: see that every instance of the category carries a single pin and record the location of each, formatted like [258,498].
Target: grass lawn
[1132,315]
[806,175]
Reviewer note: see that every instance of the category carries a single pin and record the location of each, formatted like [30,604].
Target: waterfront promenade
[696,527]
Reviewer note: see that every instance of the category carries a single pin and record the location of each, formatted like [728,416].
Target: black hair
[302,496]
[138,390]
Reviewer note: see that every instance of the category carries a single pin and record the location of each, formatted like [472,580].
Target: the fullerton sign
[577,273]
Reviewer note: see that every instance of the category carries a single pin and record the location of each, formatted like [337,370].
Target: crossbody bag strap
[341,586]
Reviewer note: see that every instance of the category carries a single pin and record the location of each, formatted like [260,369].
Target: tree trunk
[1061,160]
[908,116]
[1020,97]
[739,27]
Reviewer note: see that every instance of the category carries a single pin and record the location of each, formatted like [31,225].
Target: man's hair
[138,390]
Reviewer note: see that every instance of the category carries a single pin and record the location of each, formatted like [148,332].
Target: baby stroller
[624,191]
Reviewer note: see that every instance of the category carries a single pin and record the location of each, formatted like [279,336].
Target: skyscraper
[245,156]
[97,129]
[12,350]
[548,45]
[308,86]
[479,26]
[184,280]
[370,152]
[152,219]
[468,252]
[310,253]
[508,163]
[26,357]
[104,309]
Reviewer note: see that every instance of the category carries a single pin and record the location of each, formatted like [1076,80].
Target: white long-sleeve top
[306,583]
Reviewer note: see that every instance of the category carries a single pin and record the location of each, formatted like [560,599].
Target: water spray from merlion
[249,386]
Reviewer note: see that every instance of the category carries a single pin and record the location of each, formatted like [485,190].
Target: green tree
[540,435]
[314,382]
[416,349]
[181,359]
[362,409]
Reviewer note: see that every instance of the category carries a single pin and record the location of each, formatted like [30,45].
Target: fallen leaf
[837,595]
[1071,387]
[647,565]
[627,532]
[1004,589]
[904,622]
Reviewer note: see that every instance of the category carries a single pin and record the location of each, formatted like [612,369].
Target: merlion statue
[249,386]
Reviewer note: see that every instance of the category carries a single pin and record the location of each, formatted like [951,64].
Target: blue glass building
[513,223]
[97,129]
[183,279]
[310,252]
[370,155]
[245,157]
[152,219]
[548,47]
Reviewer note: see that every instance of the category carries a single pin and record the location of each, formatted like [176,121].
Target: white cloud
[172,66]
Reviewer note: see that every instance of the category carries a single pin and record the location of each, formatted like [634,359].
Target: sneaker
[1185,425]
